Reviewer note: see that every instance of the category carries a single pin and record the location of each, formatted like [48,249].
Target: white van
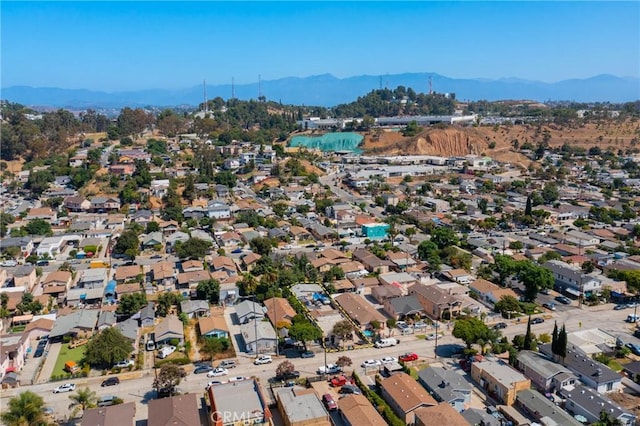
[107,400]
[385,343]
[166,351]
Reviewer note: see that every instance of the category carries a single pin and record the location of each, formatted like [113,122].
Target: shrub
[178,361]
[174,342]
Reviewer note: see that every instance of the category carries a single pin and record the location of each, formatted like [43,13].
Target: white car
[237,379]
[125,364]
[371,363]
[433,336]
[213,383]
[217,372]
[67,387]
[388,360]
[329,369]
[263,359]
[9,263]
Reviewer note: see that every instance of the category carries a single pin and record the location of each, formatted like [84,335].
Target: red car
[338,381]
[329,402]
[408,357]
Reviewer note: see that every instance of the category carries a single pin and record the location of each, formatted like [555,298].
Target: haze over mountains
[327,90]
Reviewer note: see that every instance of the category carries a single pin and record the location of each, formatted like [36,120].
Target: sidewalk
[50,358]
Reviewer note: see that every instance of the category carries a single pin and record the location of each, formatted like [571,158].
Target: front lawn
[65,355]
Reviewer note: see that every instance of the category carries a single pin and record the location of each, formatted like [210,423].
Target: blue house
[213,326]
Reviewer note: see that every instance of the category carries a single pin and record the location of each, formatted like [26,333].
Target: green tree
[152,227]
[304,331]
[168,378]
[429,252]
[279,208]
[554,339]
[528,207]
[606,419]
[193,248]
[129,304]
[528,338]
[166,301]
[516,245]
[127,244]
[107,348]
[411,129]
[472,330]
[29,305]
[214,345]
[83,399]
[343,329]
[25,409]
[550,192]
[209,290]
[507,304]
[226,178]
[535,277]
[38,227]
[562,343]
[261,245]
[444,237]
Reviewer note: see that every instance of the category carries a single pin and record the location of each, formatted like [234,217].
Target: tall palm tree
[24,410]
[83,399]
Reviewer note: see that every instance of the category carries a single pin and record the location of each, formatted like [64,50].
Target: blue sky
[131,46]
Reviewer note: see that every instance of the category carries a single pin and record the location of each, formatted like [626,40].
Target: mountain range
[327,90]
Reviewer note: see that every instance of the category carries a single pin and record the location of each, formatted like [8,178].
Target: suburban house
[447,386]
[213,326]
[490,292]
[499,380]
[148,315]
[39,327]
[247,310]
[405,395]
[169,328]
[176,410]
[106,319]
[437,303]
[592,373]
[163,274]
[218,210]
[192,266]
[14,352]
[535,405]
[546,375]
[127,273]
[585,401]
[151,240]
[25,276]
[224,263]
[301,407]
[77,204]
[249,261]
[80,322]
[359,310]
[129,329]
[112,415]
[44,213]
[279,310]
[105,204]
[58,278]
[385,292]
[192,279]
[259,337]
[93,278]
[459,276]
[225,409]
[573,280]
[229,239]
[441,414]
[402,307]
[195,308]
[356,410]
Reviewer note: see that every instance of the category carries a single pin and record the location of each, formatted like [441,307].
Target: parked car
[338,381]
[620,307]
[212,383]
[632,318]
[350,389]
[227,363]
[111,381]
[156,256]
[410,356]
[237,378]
[371,363]
[563,299]
[545,291]
[202,369]
[388,360]
[166,351]
[432,336]
[263,359]
[500,326]
[537,320]
[125,364]
[8,263]
[550,306]
[635,348]
[67,387]
[329,369]
[237,251]
[38,352]
[289,375]
[307,354]
[329,402]
[217,372]
[419,324]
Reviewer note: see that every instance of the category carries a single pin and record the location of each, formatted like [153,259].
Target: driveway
[50,357]
[234,329]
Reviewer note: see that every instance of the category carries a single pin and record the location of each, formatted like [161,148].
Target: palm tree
[24,410]
[83,399]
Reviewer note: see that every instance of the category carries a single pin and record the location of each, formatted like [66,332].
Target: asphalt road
[139,390]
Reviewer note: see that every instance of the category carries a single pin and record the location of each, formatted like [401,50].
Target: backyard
[67,354]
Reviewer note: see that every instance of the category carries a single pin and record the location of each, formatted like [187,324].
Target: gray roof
[594,402]
[301,408]
[89,275]
[242,400]
[169,327]
[249,307]
[444,385]
[476,416]
[129,328]
[405,304]
[106,318]
[148,311]
[189,306]
[540,364]
[540,407]
[264,329]
[587,367]
[77,293]
[83,318]
[23,270]
[15,242]
[502,372]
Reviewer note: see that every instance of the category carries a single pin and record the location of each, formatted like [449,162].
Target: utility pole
[430,86]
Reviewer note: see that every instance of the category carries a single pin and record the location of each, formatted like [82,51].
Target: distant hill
[327,90]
